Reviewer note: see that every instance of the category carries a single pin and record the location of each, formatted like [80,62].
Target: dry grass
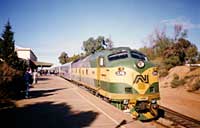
[194,72]
[176,81]
[193,79]
[194,86]
[163,72]
[184,76]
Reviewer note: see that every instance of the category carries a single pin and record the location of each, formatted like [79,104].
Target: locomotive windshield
[119,55]
[138,55]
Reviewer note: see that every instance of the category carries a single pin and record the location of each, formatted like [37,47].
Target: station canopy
[42,64]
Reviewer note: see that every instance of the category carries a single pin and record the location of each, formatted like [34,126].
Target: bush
[194,86]
[11,82]
[163,72]
[172,61]
[176,82]
[176,77]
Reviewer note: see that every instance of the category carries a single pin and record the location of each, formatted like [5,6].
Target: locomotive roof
[107,52]
[116,50]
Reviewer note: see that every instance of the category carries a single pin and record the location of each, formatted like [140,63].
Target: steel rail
[180,119]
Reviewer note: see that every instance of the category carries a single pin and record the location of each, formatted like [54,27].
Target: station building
[31,59]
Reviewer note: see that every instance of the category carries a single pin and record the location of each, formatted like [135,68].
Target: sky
[50,27]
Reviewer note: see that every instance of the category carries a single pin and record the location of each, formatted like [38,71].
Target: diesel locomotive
[122,76]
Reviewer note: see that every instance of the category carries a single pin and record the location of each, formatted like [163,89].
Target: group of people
[29,78]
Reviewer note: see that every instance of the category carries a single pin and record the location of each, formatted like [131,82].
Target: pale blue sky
[50,27]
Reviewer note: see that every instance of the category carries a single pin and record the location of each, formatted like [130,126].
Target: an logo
[142,78]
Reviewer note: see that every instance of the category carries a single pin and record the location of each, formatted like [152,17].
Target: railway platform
[57,103]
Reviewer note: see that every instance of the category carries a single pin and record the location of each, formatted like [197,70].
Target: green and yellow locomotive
[123,76]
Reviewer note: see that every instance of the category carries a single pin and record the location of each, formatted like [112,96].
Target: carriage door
[100,64]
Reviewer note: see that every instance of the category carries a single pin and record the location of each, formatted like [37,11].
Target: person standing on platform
[35,75]
[27,79]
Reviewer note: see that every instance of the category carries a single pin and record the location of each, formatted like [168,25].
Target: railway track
[174,119]
[178,120]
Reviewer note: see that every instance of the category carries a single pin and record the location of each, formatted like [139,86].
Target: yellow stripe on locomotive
[124,76]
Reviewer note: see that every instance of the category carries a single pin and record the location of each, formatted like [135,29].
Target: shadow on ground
[43,93]
[42,78]
[46,115]
[38,93]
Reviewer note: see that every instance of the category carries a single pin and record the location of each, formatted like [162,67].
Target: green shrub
[176,82]
[187,77]
[194,86]
[172,61]
[163,73]
[176,77]
[11,82]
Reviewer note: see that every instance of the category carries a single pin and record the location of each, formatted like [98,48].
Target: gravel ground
[180,100]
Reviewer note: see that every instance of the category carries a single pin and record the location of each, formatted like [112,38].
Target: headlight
[154,101]
[125,101]
[140,64]
[155,73]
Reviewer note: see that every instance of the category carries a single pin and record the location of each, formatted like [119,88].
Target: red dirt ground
[179,99]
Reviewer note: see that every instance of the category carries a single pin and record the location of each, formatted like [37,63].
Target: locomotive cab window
[137,55]
[101,61]
[119,55]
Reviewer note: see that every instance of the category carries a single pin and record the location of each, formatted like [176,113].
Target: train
[122,76]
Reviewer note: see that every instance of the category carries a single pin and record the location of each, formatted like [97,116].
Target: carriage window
[101,61]
[137,55]
[119,55]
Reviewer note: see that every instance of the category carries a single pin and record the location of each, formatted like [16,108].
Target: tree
[148,52]
[172,61]
[7,45]
[179,32]
[63,58]
[189,50]
[109,43]
[7,49]
[183,49]
[74,57]
[92,45]
[158,43]
[1,59]
[8,53]
[11,67]
[98,43]
[175,50]
[198,57]
[192,53]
